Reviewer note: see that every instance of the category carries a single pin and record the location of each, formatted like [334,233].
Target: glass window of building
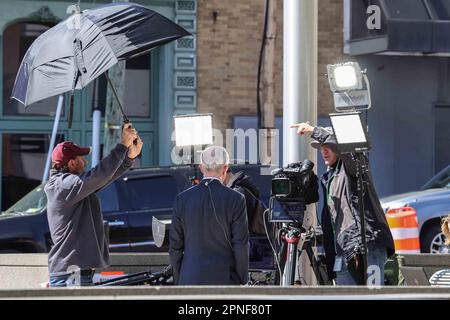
[17,38]
[137,95]
[23,161]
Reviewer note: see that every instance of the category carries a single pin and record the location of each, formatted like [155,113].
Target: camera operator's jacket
[340,214]
[243,184]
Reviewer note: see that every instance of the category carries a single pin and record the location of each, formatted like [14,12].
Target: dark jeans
[376,258]
[82,278]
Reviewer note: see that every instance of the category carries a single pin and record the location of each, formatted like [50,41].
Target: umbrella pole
[53,138]
[125,118]
[96,121]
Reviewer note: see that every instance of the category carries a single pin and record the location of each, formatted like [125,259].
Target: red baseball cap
[66,151]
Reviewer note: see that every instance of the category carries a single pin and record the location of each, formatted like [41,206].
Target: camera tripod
[141,278]
[294,240]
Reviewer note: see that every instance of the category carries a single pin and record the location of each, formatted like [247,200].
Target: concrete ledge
[233,293]
[426,260]
[21,274]
[429,262]
[22,277]
[117,259]
[23,260]
[27,271]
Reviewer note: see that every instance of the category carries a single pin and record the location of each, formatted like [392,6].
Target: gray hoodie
[75,217]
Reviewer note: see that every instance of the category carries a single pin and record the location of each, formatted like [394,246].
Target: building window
[24,157]
[137,86]
[17,38]
[137,95]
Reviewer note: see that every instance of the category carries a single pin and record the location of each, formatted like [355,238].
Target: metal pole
[289,268]
[360,169]
[113,110]
[53,138]
[300,88]
[299,75]
[96,122]
[125,118]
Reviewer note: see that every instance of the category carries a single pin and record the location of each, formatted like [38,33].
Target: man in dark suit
[209,231]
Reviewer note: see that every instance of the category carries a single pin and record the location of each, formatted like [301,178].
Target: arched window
[17,38]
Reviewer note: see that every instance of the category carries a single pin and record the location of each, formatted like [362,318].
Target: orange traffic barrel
[405,229]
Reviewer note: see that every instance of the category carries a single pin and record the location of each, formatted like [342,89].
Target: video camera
[293,187]
[296,181]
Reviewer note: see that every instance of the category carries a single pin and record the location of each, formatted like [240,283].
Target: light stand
[191,132]
[346,83]
[352,137]
[361,169]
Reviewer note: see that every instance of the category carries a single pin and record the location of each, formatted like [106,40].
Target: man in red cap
[73,210]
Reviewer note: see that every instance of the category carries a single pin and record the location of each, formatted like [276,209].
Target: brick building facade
[228,53]
[228,44]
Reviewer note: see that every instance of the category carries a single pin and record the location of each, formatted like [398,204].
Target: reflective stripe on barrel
[405,229]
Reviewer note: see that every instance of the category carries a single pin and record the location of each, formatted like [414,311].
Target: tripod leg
[314,264]
[282,259]
[301,280]
[289,269]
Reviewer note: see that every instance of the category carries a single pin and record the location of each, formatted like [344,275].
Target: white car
[431,203]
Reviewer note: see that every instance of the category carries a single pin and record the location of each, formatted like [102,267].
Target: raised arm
[78,187]
[133,152]
[321,134]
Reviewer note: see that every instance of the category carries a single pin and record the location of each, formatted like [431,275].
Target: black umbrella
[76,51]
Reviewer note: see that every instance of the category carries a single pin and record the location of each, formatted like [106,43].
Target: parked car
[431,203]
[128,206]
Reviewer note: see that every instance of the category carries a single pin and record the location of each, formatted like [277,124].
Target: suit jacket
[207,247]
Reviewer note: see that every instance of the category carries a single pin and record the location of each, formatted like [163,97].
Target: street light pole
[299,88]
[299,74]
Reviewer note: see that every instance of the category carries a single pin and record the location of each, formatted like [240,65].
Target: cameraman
[243,184]
[341,216]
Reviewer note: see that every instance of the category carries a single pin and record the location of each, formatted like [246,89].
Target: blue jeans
[376,258]
[85,279]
